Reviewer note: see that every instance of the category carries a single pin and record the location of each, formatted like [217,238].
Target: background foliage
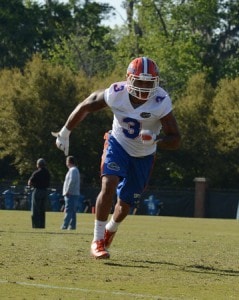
[53,55]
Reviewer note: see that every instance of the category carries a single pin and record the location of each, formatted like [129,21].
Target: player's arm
[93,103]
[171,138]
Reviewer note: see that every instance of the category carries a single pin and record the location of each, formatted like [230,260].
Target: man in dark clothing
[40,181]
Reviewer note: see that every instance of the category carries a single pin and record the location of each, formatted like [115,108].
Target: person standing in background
[71,193]
[40,181]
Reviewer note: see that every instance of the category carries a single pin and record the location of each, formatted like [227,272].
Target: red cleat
[108,238]
[98,250]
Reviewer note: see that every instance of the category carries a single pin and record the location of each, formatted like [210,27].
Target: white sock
[99,230]
[112,226]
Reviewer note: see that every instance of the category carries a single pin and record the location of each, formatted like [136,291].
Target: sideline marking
[38,285]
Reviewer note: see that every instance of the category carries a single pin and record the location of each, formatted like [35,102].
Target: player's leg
[129,190]
[105,198]
[121,211]
[113,165]
[103,208]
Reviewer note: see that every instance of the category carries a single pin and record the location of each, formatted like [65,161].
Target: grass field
[151,258]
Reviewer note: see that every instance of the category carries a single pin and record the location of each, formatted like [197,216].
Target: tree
[224,129]
[27,28]
[37,101]
[18,33]
[193,111]
[185,37]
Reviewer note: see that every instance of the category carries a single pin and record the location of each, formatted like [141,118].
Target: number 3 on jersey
[133,128]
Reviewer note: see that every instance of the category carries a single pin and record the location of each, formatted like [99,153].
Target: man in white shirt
[71,193]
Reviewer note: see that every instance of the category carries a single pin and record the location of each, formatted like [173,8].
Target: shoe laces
[100,245]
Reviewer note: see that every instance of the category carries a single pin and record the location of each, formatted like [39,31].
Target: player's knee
[109,184]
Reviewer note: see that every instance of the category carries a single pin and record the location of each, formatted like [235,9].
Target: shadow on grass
[210,270]
[191,268]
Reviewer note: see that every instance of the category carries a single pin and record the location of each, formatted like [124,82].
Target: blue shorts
[134,172]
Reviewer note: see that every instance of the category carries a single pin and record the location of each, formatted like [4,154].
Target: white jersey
[128,121]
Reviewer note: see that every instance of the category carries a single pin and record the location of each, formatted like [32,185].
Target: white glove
[147,137]
[62,141]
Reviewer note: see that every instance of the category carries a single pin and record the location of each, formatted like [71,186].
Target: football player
[143,120]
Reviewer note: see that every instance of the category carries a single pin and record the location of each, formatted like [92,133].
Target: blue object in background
[27,196]
[55,201]
[152,205]
[8,199]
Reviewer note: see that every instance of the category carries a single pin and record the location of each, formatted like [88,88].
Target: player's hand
[147,137]
[62,139]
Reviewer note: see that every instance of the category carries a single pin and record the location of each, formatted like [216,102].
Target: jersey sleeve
[167,107]
[165,103]
[113,91]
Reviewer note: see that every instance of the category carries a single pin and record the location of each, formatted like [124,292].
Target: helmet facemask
[142,86]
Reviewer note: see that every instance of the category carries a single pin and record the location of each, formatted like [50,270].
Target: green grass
[151,258]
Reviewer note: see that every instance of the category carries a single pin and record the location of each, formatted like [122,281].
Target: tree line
[54,54]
